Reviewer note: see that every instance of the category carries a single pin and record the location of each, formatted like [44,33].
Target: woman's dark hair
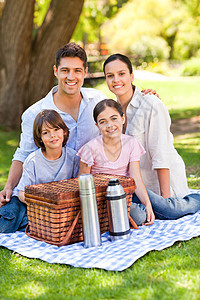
[52,119]
[101,106]
[121,57]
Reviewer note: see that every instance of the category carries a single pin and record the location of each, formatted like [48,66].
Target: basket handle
[26,230]
[70,231]
[66,238]
[132,222]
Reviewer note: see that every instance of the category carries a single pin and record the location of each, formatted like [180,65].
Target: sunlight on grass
[30,289]
[12,143]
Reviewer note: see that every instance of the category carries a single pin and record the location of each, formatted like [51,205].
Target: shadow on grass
[184,113]
[168,274]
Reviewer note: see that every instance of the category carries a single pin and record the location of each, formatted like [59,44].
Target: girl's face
[52,137]
[118,78]
[110,123]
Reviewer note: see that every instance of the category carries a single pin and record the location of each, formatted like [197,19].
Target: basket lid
[69,188]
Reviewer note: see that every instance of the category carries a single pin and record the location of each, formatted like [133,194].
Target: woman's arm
[160,145]
[164,182]
[84,169]
[134,170]
[22,197]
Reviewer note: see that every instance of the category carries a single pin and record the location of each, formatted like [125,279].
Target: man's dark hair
[71,50]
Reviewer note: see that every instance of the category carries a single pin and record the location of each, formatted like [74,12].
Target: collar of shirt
[49,99]
[136,99]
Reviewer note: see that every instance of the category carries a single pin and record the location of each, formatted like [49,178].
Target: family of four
[76,130]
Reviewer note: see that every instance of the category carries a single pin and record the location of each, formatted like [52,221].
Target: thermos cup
[117,211]
[90,219]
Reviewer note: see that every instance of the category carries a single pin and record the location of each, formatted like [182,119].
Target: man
[75,105]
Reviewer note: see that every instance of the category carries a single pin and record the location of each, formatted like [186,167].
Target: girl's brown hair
[52,119]
[101,106]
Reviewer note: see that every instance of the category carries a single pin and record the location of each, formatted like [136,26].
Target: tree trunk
[15,50]
[26,70]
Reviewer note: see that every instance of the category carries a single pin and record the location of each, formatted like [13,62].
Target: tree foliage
[155,29]
[94,14]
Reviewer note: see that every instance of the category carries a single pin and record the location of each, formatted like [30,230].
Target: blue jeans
[165,208]
[13,216]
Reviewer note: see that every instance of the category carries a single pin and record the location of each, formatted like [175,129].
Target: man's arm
[150,92]
[14,176]
[21,197]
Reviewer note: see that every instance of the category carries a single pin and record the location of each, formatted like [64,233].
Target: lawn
[172,273]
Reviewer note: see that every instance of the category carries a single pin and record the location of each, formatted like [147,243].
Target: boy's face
[70,74]
[52,137]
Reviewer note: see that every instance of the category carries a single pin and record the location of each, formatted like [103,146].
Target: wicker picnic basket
[54,209]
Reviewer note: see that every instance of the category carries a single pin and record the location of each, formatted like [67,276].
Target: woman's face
[118,78]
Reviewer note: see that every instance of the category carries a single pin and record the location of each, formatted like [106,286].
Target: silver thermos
[90,219]
[117,211]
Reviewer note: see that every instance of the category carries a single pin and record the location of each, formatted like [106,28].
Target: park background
[162,39]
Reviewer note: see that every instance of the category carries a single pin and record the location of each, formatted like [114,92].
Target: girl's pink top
[94,156]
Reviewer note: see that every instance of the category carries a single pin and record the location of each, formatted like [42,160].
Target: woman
[147,119]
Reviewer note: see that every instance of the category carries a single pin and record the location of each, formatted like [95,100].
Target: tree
[155,29]
[26,63]
[94,14]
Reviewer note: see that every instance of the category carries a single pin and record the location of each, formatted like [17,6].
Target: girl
[115,153]
[147,119]
[51,162]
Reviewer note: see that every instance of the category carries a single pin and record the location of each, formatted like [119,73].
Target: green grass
[172,273]
[9,142]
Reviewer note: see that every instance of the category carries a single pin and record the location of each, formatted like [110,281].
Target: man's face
[70,74]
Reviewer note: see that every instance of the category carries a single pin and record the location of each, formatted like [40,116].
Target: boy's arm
[84,169]
[14,176]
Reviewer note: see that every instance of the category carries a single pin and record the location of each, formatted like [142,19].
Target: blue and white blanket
[113,256]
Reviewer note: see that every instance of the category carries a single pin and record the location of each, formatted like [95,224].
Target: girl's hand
[84,169]
[150,216]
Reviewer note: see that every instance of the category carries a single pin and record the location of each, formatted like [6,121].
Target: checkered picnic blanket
[113,256]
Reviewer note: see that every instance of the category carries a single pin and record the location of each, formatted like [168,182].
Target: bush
[191,67]
[149,49]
